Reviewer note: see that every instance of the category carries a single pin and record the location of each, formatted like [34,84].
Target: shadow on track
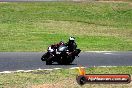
[60,64]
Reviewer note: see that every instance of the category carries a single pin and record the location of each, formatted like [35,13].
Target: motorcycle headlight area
[50,49]
[58,52]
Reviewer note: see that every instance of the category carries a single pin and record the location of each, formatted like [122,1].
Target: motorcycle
[60,55]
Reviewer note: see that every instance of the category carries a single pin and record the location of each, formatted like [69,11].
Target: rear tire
[72,59]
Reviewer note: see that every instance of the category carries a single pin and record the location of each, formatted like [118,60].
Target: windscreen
[62,48]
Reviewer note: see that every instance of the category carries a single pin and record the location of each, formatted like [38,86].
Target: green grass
[96,25]
[64,77]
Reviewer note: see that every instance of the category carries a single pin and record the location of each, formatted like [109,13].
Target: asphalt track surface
[12,61]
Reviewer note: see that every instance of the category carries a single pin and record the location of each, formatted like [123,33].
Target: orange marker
[81,71]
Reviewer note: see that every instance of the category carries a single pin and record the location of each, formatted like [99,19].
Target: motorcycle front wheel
[49,60]
[43,58]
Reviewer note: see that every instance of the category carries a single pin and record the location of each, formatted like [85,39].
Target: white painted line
[28,70]
[52,69]
[39,69]
[76,67]
[20,70]
[24,70]
[57,68]
[1,72]
[48,69]
[6,71]
[107,66]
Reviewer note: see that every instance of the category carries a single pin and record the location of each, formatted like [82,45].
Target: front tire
[49,60]
[43,58]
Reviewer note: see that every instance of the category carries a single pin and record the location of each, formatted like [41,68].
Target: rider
[71,44]
[72,47]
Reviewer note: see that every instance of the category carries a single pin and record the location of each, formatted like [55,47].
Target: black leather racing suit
[71,46]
